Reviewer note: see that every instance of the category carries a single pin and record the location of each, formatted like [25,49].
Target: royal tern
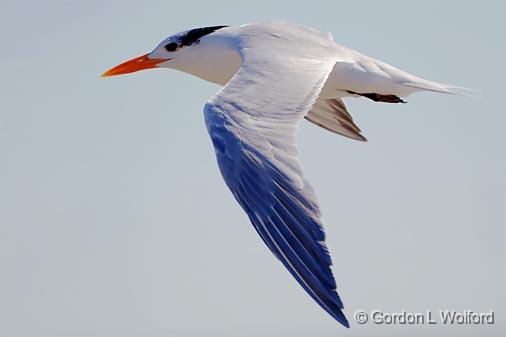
[274,74]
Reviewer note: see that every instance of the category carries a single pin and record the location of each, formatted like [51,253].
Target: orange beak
[133,65]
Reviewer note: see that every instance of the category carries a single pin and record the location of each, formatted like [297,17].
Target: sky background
[115,221]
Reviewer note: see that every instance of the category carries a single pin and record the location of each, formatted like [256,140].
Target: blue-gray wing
[253,123]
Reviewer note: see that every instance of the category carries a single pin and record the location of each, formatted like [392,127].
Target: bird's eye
[171,46]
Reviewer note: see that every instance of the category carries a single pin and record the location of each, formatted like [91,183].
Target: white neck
[213,59]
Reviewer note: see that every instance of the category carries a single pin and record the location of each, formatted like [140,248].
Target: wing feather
[253,123]
[332,115]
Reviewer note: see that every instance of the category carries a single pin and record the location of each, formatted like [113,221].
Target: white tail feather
[446,89]
[468,92]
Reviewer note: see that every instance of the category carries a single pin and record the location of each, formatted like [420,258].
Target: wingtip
[339,316]
[342,319]
[362,139]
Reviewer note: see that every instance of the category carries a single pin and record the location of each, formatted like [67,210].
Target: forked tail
[427,85]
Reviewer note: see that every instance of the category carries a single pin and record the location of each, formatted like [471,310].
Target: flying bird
[275,74]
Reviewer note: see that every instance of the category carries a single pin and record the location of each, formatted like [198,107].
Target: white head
[196,51]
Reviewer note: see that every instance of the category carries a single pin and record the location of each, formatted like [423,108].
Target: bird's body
[218,58]
[274,75]
[353,71]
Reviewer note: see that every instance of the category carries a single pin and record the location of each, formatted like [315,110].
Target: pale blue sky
[114,219]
